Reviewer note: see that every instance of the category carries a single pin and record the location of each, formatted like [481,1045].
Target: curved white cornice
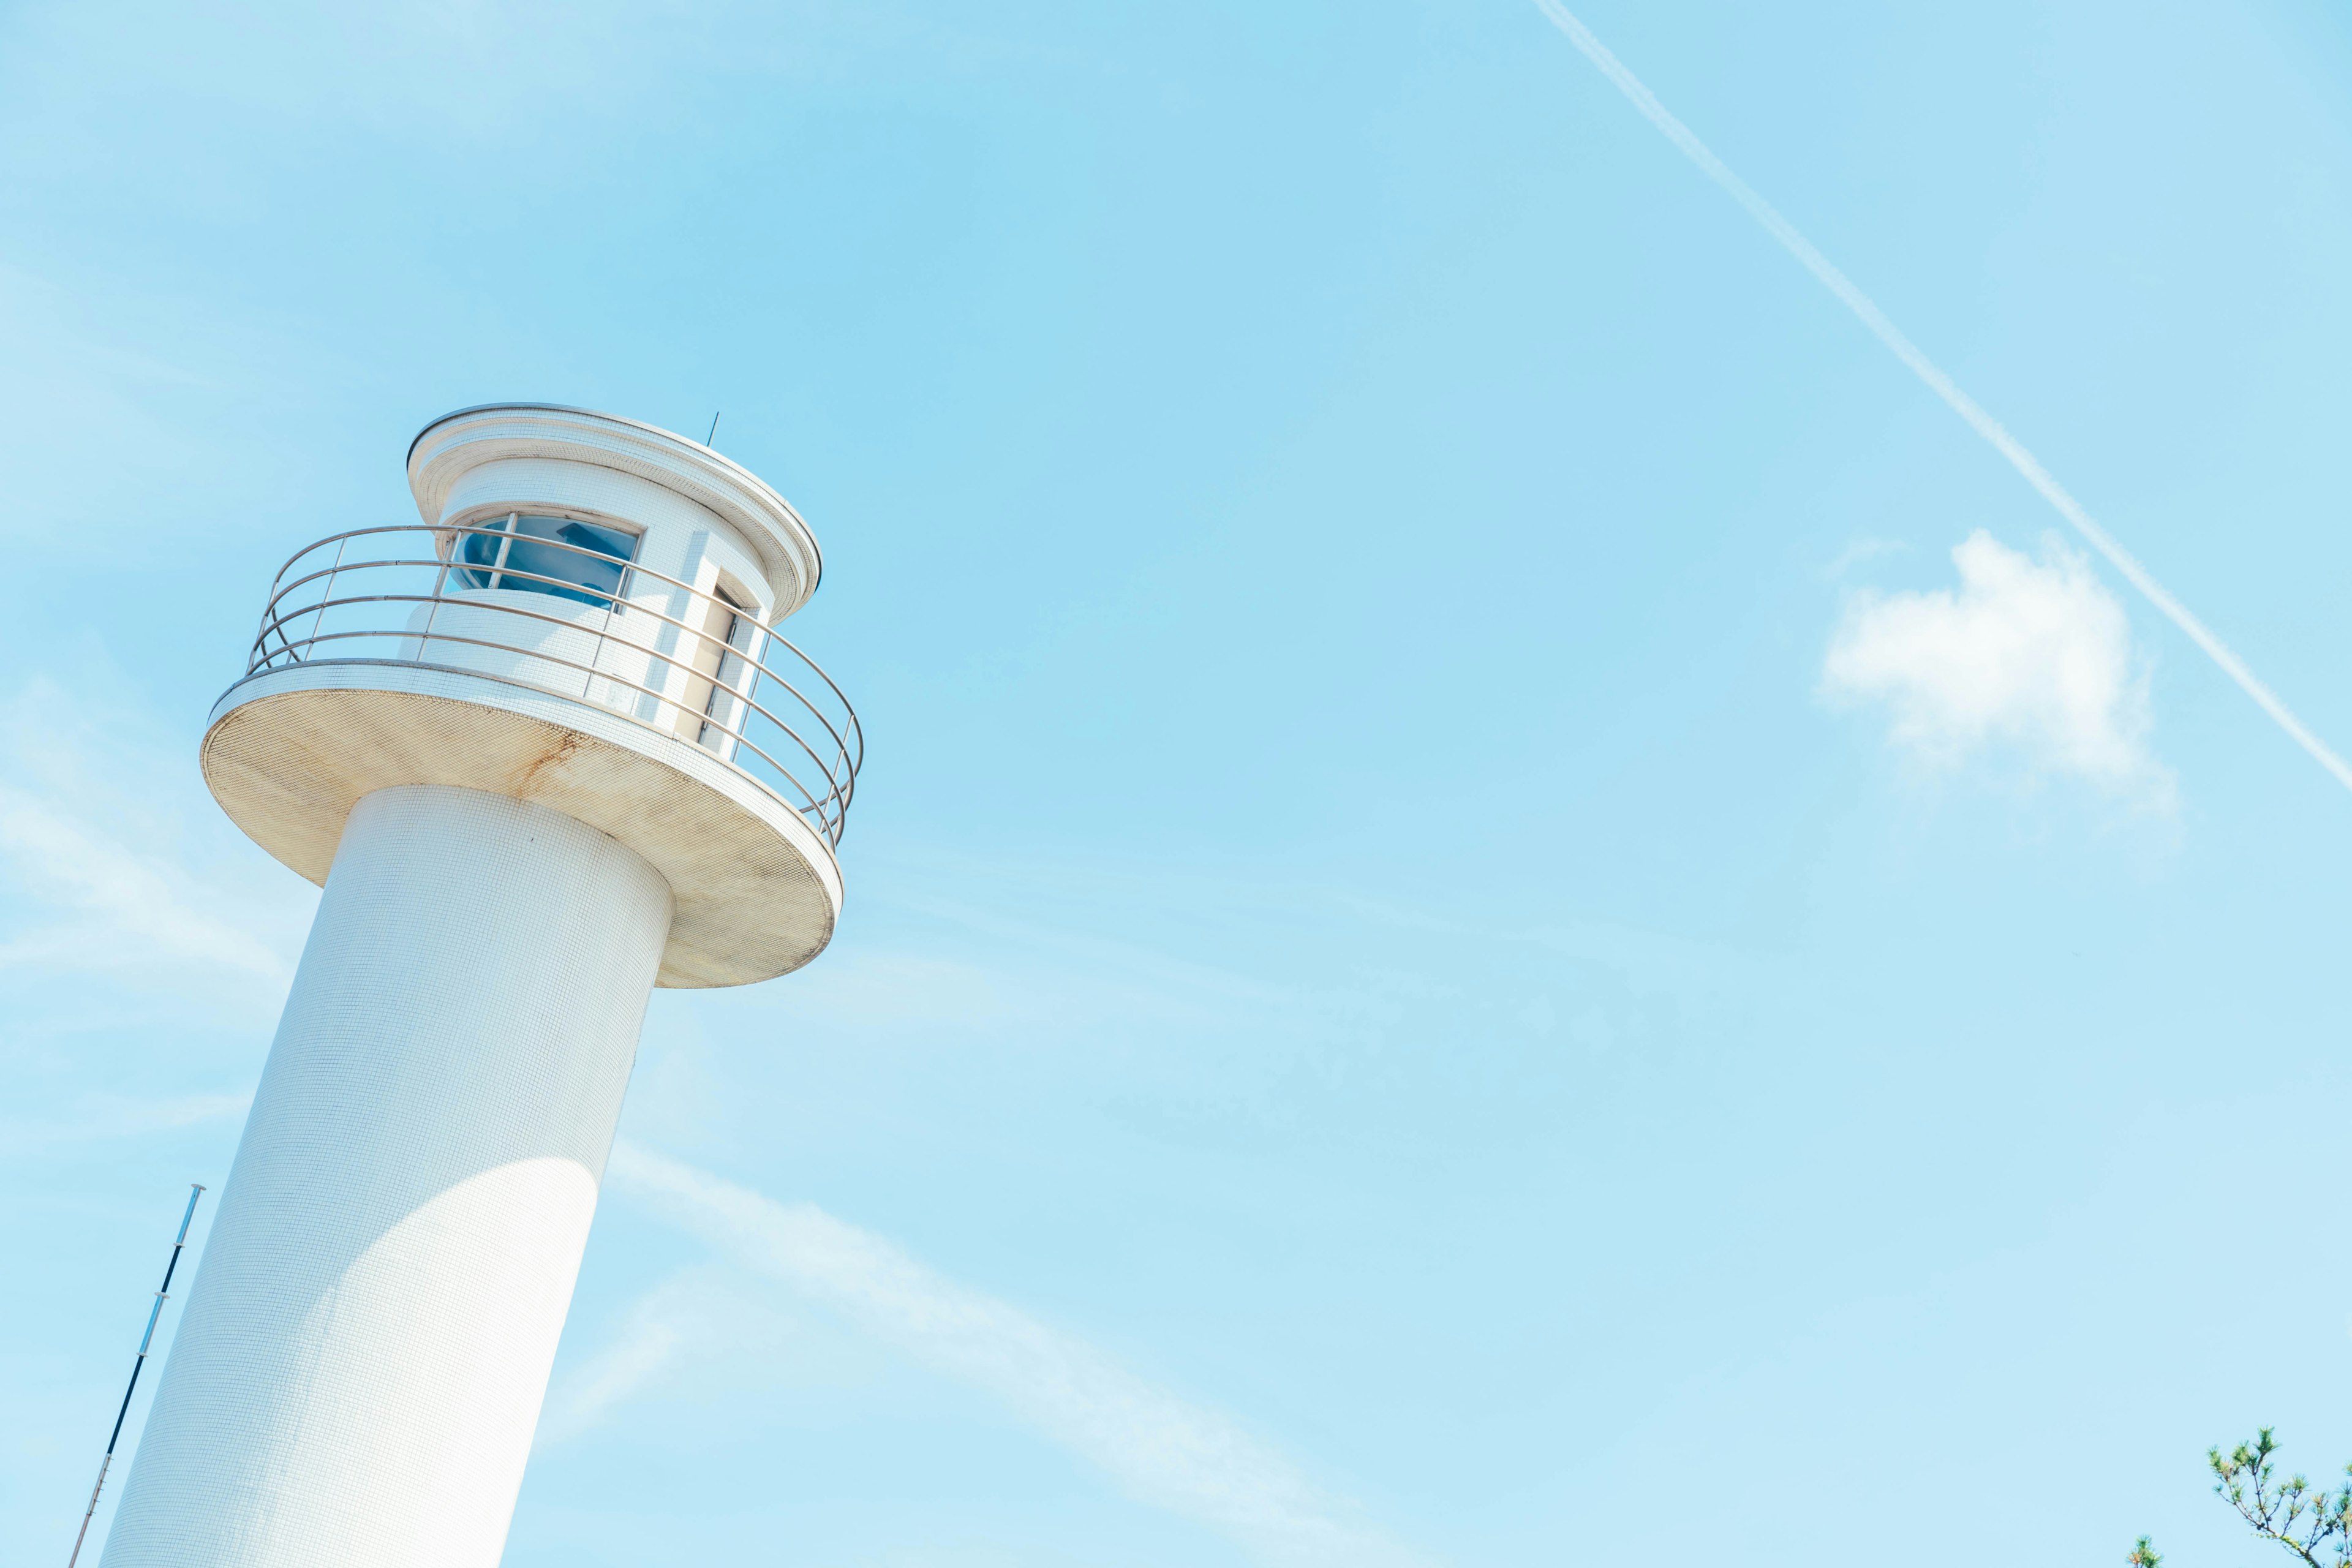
[456,443]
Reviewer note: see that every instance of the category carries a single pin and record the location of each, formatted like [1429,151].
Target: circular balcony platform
[630,709]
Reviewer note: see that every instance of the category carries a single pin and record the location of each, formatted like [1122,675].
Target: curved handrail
[666,684]
[275,622]
[280,586]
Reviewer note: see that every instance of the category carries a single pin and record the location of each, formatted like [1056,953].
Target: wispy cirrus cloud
[99,1117]
[1858,551]
[694,1315]
[1159,1447]
[123,903]
[103,875]
[2031,654]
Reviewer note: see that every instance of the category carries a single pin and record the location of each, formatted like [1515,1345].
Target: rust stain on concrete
[555,754]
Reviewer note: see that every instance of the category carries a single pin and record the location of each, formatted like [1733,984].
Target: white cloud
[1858,551]
[647,1346]
[1972,413]
[102,1116]
[98,872]
[135,901]
[693,1316]
[1160,1449]
[2031,655]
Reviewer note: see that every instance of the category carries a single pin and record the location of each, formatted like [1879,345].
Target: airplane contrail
[2028,465]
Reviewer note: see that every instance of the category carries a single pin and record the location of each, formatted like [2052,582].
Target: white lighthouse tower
[544,751]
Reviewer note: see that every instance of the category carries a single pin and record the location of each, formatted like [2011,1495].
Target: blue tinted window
[589,572]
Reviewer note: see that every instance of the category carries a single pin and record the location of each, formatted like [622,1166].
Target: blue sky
[1509,905]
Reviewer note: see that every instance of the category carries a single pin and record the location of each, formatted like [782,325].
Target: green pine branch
[2313,1524]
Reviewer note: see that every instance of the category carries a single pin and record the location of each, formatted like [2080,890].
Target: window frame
[712,732]
[506,522]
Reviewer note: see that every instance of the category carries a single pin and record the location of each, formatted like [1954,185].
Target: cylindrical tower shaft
[367,1344]
[545,749]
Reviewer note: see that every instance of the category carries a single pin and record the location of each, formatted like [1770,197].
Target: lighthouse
[544,750]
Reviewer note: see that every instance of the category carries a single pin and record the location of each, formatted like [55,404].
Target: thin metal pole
[163,1294]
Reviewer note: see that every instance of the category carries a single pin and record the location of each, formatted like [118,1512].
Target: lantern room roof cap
[457,443]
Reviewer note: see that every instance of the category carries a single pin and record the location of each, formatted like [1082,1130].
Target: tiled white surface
[368,1340]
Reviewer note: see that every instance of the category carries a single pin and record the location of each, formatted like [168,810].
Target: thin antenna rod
[163,1294]
[714,431]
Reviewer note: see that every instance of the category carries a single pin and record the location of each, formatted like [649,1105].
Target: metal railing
[660,652]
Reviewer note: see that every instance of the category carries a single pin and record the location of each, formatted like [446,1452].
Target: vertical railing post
[440,582]
[596,661]
[506,543]
[325,598]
